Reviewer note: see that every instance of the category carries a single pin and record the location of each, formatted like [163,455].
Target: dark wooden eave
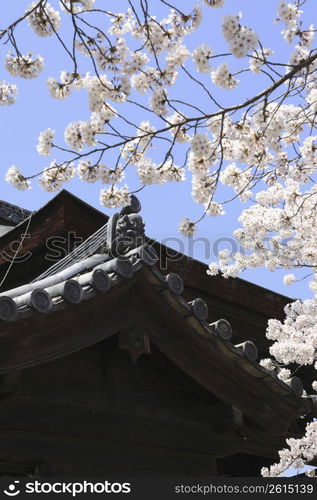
[144,302]
[246,305]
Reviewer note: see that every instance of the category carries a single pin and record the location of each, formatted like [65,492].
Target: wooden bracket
[9,383]
[135,342]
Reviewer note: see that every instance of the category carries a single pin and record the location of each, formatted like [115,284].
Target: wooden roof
[99,295]
[12,213]
[149,302]
[64,216]
[247,306]
[66,213]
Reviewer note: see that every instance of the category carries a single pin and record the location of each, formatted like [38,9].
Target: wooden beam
[28,416]
[205,360]
[41,338]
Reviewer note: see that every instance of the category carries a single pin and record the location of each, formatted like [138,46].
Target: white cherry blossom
[201,56]
[70,6]
[25,66]
[45,142]
[214,3]
[115,197]
[14,177]
[223,77]
[89,171]
[55,175]
[187,227]
[8,93]
[44,20]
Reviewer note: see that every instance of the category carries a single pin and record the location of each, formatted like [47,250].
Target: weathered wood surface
[87,407]
[64,419]
[65,219]
[248,296]
[204,358]
[99,395]
[206,361]
[41,338]
[25,446]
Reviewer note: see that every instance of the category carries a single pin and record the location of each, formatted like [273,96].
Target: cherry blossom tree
[263,148]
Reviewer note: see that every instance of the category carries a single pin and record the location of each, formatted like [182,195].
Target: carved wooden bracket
[9,383]
[224,416]
[135,342]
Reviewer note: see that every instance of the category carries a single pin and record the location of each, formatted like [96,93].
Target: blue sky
[163,206]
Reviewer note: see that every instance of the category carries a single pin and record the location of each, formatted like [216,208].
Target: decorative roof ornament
[125,230]
[122,232]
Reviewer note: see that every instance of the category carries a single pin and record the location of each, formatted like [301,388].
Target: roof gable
[65,219]
[118,287]
[12,213]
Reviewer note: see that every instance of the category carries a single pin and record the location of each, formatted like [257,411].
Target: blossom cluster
[8,93]
[55,175]
[25,66]
[289,14]
[45,142]
[214,3]
[300,451]
[78,6]
[223,77]
[201,56]
[44,19]
[123,71]
[15,177]
[241,39]
[115,197]
[258,59]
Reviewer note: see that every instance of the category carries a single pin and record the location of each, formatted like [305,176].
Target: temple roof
[12,213]
[62,218]
[113,282]
[65,214]
[10,216]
